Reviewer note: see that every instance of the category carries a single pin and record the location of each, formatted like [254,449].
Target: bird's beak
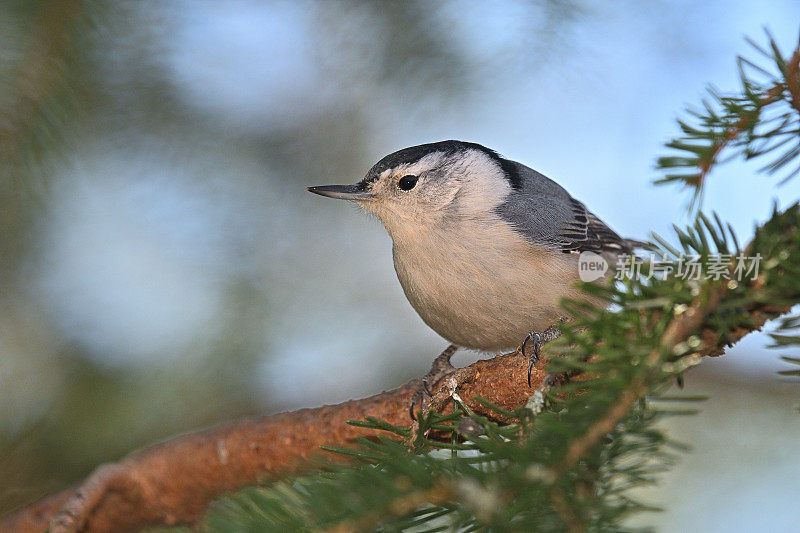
[343,192]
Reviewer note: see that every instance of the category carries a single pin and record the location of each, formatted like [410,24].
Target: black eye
[407,182]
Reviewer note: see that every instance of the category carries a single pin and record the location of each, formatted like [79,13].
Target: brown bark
[174,482]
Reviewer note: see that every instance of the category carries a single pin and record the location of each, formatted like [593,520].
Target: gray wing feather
[547,215]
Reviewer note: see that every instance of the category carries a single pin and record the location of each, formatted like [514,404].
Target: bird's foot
[440,368]
[537,339]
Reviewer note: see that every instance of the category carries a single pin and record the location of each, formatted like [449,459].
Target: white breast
[481,285]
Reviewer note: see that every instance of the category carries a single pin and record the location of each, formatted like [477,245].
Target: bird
[484,247]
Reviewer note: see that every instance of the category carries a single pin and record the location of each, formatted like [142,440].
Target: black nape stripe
[415,153]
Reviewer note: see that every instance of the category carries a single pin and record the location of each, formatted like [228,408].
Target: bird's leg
[440,368]
[538,339]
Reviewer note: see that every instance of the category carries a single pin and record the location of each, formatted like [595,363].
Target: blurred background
[162,267]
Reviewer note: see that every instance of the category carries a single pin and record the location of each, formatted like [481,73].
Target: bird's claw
[538,341]
[422,398]
[440,368]
[534,358]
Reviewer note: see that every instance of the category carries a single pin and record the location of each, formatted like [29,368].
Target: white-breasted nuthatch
[484,247]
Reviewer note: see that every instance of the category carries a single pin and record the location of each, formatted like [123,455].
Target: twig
[563,509]
[678,330]
[773,94]
[400,506]
[793,79]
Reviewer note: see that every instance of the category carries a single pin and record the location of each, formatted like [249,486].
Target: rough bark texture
[174,482]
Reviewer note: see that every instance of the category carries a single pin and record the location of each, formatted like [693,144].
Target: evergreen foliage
[570,463]
[759,121]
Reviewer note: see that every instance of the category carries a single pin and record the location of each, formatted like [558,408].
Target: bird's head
[418,188]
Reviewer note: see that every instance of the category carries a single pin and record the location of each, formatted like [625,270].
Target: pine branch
[515,482]
[174,482]
[398,507]
[677,331]
[738,121]
[564,510]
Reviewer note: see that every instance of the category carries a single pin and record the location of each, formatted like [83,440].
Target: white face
[448,188]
